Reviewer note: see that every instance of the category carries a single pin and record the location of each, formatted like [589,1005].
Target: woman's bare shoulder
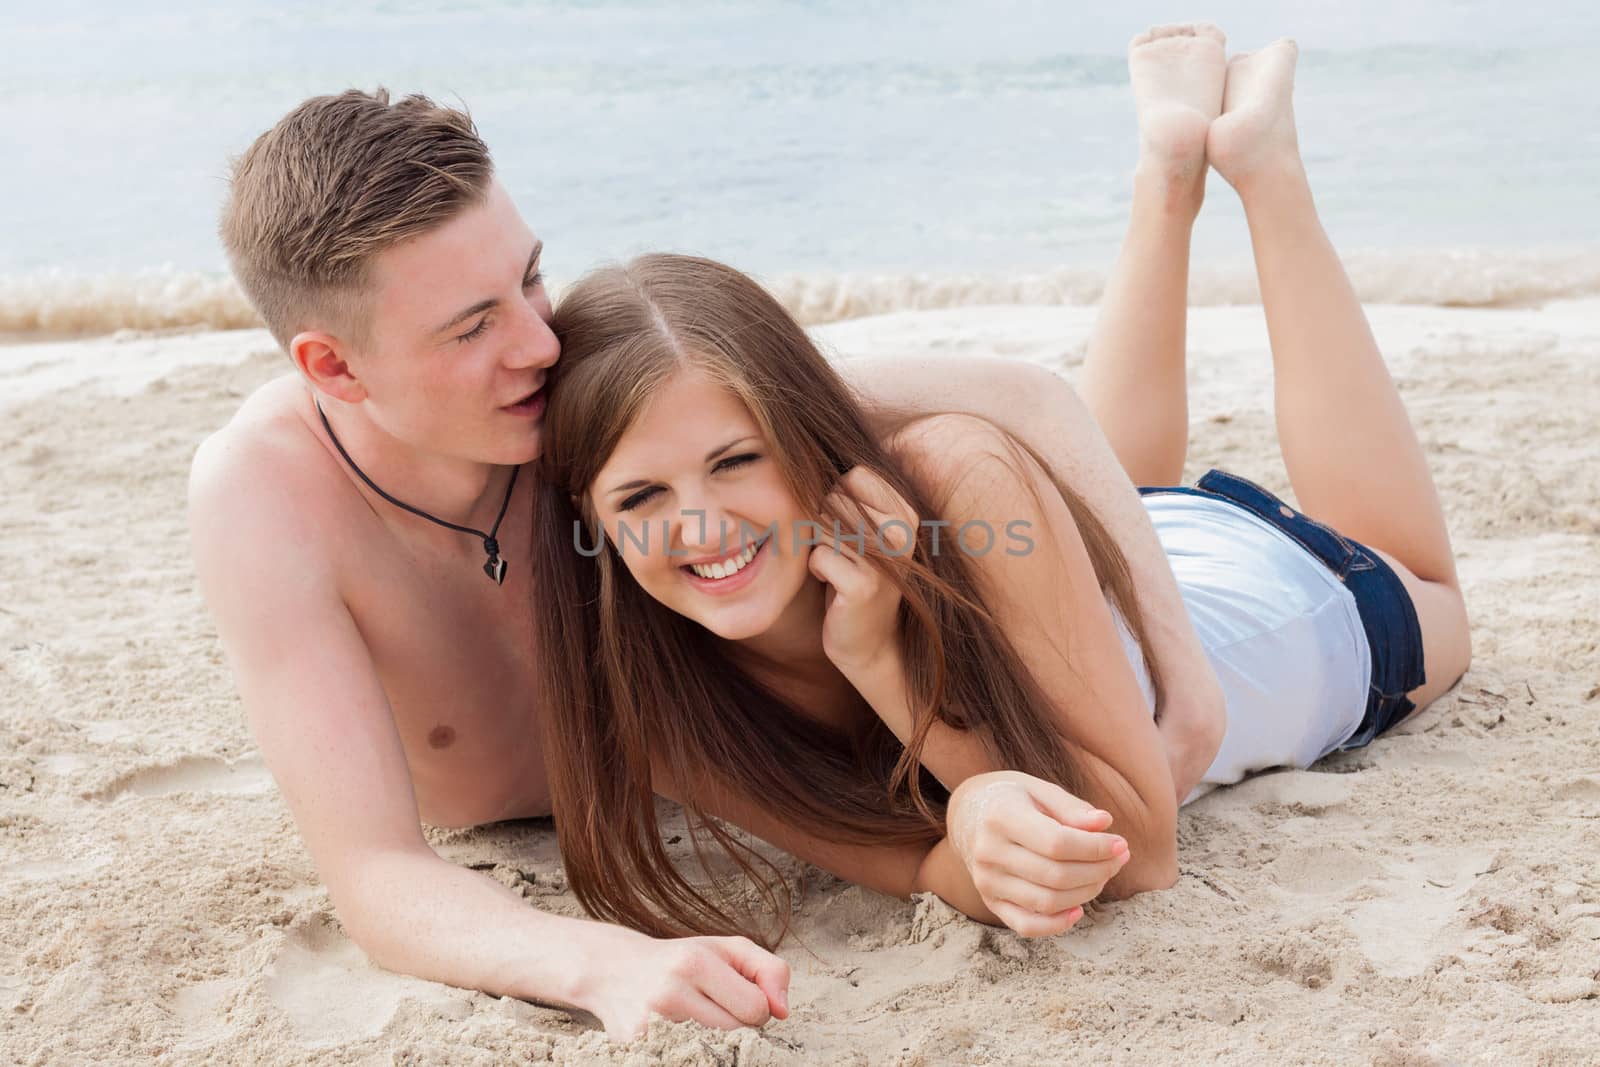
[940,452]
[940,432]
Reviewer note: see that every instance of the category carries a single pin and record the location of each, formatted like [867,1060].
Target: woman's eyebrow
[715,452]
[639,483]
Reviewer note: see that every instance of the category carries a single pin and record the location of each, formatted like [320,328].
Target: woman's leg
[1134,378]
[1351,453]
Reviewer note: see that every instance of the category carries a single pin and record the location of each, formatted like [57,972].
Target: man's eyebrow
[713,454]
[484,305]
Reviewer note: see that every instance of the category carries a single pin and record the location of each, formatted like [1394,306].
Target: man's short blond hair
[336,182]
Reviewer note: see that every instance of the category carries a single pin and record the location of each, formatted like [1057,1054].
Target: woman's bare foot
[1255,134]
[1178,73]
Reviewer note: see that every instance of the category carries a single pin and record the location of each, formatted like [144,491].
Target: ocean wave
[58,302]
[64,303]
[1453,278]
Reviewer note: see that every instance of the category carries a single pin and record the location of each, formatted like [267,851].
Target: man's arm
[323,723]
[326,732]
[1040,408]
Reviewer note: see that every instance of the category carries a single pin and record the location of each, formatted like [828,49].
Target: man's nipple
[442,736]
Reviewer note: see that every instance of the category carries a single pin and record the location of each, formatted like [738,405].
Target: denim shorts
[1387,614]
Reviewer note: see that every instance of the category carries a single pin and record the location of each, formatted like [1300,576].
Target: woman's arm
[1041,409]
[956,757]
[1048,601]
[890,869]
[901,870]
[950,755]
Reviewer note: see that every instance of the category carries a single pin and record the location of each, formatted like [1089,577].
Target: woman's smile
[729,574]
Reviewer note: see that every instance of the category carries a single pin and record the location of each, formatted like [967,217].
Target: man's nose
[538,346]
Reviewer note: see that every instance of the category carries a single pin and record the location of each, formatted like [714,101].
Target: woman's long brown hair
[623,677]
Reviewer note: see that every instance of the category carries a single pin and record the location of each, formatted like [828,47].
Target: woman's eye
[637,498]
[533,279]
[644,496]
[474,333]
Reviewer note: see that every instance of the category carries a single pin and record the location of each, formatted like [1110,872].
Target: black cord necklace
[495,568]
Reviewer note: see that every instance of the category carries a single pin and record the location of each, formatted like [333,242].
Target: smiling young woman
[692,419]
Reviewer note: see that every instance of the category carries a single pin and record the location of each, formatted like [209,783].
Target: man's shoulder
[265,471]
[266,430]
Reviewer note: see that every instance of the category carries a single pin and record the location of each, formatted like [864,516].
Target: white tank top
[1281,630]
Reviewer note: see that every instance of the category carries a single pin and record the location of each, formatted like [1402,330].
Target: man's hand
[1035,852]
[725,982]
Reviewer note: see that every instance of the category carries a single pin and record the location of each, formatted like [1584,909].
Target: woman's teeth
[728,566]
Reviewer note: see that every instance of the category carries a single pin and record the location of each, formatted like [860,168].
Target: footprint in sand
[1322,868]
[104,731]
[62,764]
[1426,754]
[332,994]
[1405,913]
[194,774]
[53,869]
[1405,910]
[1290,792]
[202,1006]
[1586,790]
[1415,920]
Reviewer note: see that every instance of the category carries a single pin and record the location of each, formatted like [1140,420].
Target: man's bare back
[453,654]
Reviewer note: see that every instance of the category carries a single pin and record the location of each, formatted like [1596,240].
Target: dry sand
[1434,899]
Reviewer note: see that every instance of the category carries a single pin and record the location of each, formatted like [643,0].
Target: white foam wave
[67,302]
[1451,278]
[60,302]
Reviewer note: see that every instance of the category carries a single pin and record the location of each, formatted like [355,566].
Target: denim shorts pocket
[1336,551]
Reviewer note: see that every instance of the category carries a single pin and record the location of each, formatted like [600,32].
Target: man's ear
[321,357]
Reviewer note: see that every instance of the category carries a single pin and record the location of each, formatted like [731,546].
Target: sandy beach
[1433,899]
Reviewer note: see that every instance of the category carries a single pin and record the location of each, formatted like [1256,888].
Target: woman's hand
[1035,852]
[863,608]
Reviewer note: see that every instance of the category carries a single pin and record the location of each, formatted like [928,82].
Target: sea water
[859,156]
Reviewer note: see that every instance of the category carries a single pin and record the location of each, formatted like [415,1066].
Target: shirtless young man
[383,670]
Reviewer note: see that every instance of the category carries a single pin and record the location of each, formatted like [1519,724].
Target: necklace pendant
[495,568]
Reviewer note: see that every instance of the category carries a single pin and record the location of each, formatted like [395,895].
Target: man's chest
[454,653]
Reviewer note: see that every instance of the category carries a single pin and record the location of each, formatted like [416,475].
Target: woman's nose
[704,528]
